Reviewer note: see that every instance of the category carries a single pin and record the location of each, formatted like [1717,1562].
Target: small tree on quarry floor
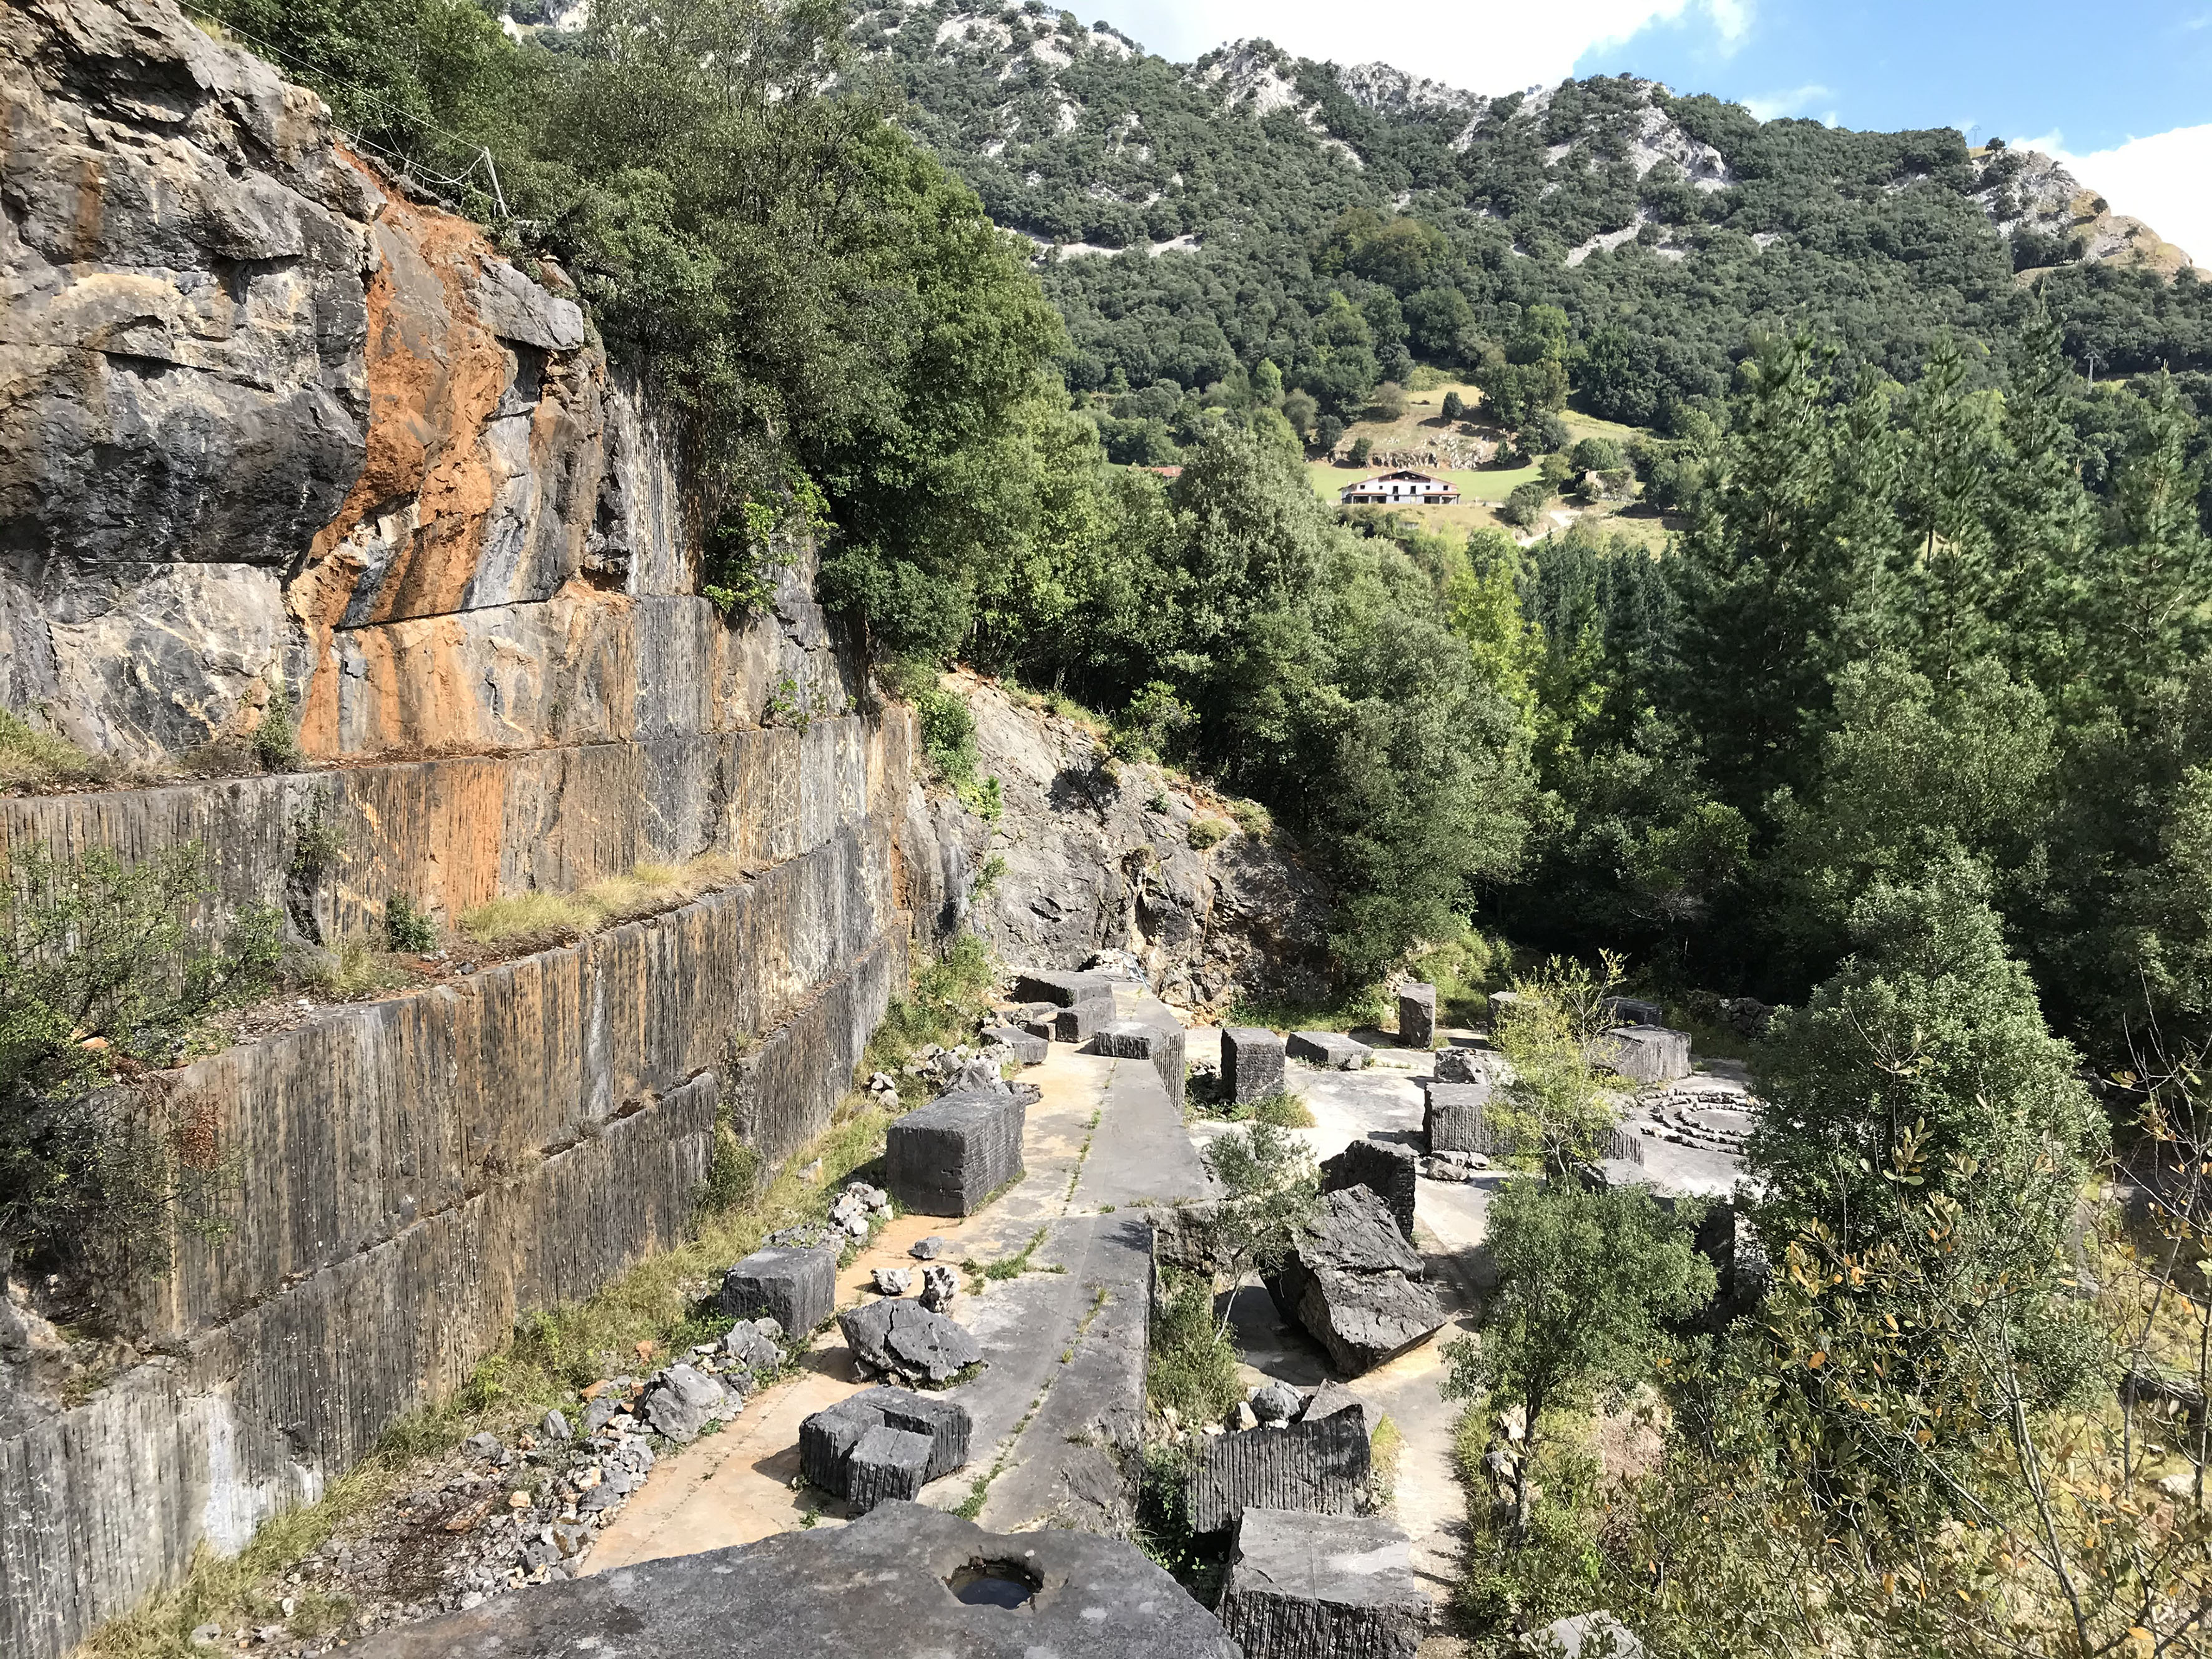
[1587,1282]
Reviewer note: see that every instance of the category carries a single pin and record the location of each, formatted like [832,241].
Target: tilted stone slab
[1644,1054]
[1030,1047]
[884,1464]
[1454,1118]
[1417,1016]
[905,1336]
[1318,1465]
[1354,1284]
[1323,1587]
[878,1589]
[1328,1048]
[1062,990]
[1251,1063]
[948,1157]
[797,1289]
[1384,1167]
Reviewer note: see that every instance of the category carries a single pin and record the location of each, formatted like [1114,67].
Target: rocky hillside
[1088,854]
[1679,219]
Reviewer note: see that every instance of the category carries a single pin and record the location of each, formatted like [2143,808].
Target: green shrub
[275,739]
[28,755]
[1252,817]
[105,974]
[1145,729]
[408,928]
[1208,833]
[948,733]
[1191,1366]
[1526,502]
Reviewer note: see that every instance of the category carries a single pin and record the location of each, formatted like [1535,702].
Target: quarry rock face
[1089,865]
[888,1586]
[269,426]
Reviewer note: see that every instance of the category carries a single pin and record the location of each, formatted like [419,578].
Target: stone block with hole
[795,1287]
[946,1157]
[1322,1587]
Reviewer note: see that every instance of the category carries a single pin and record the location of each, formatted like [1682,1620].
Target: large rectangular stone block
[1251,1063]
[1062,990]
[1454,1118]
[1082,1021]
[1331,1049]
[1502,1004]
[883,1465]
[797,1289]
[826,1438]
[1030,1047]
[1386,1168]
[1634,1011]
[1417,1016]
[1644,1054]
[1317,1465]
[1129,1039]
[946,1157]
[1322,1587]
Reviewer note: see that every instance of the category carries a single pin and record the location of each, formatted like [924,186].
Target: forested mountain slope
[1670,229]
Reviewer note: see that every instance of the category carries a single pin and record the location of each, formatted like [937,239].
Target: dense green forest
[1443,219]
[1909,728]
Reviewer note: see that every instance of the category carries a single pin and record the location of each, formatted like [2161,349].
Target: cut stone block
[1030,1047]
[1634,1011]
[946,1157]
[1322,1587]
[1062,991]
[905,1336]
[1385,1168]
[886,1464]
[795,1287]
[1082,1021]
[1644,1054]
[826,1440]
[1501,1004]
[1129,1039]
[1417,1016]
[1251,1063]
[1042,1027]
[1354,1283]
[1453,1117]
[1328,1048]
[1318,1465]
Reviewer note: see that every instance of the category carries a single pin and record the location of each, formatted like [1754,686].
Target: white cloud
[1776,105]
[1485,46]
[2159,180]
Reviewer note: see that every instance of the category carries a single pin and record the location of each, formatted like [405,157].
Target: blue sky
[2122,89]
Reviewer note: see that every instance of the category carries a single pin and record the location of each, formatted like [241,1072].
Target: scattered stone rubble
[1355,1284]
[1322,1587]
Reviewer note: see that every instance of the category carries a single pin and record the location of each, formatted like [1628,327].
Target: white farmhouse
[1403,488]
